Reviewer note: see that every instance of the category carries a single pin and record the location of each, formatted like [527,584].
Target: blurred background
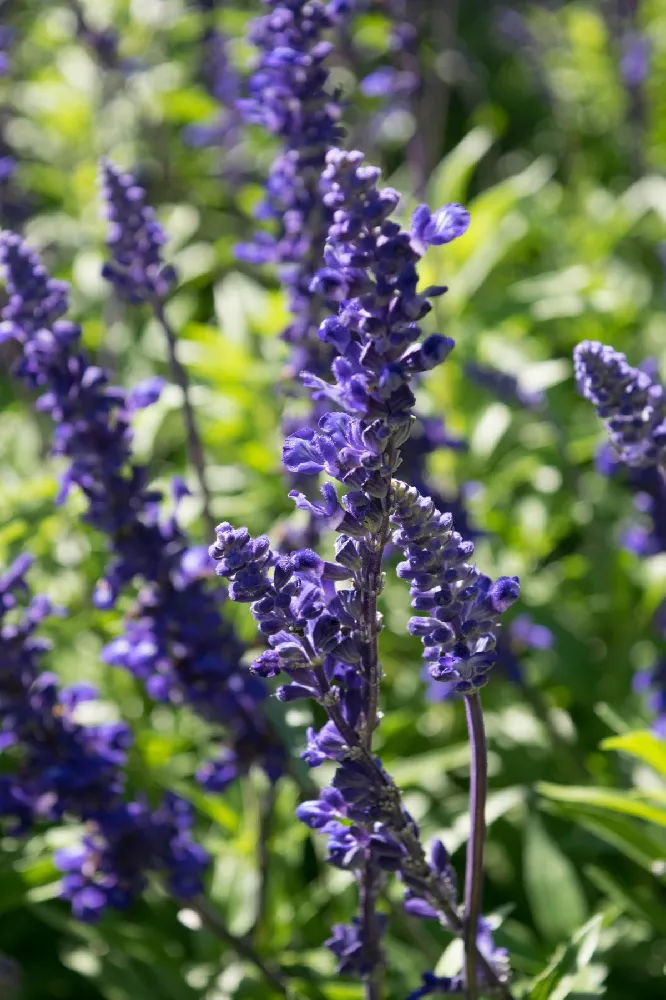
[548,121]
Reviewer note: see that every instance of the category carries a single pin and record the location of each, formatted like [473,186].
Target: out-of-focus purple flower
[290,98]
[57,768]
[176,640]
[635,59]
[135,240]
[504,386]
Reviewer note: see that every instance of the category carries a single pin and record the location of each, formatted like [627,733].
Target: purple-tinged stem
[194,446]
[369,887]
[368,891]
[477,836]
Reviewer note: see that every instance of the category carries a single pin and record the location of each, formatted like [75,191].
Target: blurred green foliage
[563,173]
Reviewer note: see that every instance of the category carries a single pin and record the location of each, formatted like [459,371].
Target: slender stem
[370,582]
[368,892]
[214,923]
[371,577]
[477,836]
[266,814]
[194,446]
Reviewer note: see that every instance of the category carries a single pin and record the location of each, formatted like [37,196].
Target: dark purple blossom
[635,59]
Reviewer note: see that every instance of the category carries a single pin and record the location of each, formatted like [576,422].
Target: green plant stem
[213,922]
[194,446]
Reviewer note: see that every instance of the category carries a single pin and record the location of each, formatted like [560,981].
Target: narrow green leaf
[569,958]
[629,898]
[556,898]
[626,835]
[629,803]
[643,745]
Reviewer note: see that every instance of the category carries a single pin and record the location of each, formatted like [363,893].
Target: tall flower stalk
[137,272]
[321,617]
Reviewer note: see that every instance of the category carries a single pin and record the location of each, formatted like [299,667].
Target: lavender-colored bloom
[62,769]
[135,240]
[320,617]
[646,535]
[627,399]
[176,641]
[504,386]
[123,847]
[434,229]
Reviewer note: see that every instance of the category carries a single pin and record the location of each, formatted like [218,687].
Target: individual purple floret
[176,641]
[135,240]
[55,768]
[627,399]
[504,386]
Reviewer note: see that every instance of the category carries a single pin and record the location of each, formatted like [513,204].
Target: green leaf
[450,180]
[559,977]
[629,803]
[556,898]
[631,899]
[643,745]
[626,835]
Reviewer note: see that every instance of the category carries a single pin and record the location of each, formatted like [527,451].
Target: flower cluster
[176,641]
[630,401]
[63,769]
[135,240]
